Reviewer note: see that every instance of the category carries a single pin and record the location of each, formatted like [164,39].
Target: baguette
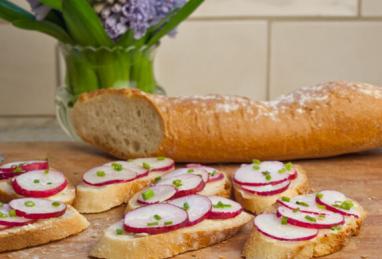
[326,120]
[328,241]
[43,231]
[258,204]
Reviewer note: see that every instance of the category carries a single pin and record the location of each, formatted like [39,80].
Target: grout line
[269,55]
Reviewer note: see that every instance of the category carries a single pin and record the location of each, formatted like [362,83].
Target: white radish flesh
[270,225]
[307,220]
[119,166]
[223,208]
[155,164]
[156,194]
[15,168]
[337,202]
[185,184]
[9,219]
[155,219]
[39,184]
[197,206]
[106,175]
[264,173]
[267,190]
[188,171]
[213,174]
[305,203]
[34,208]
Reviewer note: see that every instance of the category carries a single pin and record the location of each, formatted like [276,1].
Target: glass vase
[88,68]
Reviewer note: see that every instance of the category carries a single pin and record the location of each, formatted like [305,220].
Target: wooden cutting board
[358,175]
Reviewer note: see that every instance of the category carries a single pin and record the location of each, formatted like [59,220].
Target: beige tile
[371,8]
[312,52]
[278,8]
[215,57]
[27,74]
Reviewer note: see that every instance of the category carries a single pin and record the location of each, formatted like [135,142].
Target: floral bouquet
[106,43]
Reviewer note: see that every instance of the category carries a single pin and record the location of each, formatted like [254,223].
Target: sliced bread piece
[327,241]
[257,203]
[43,231]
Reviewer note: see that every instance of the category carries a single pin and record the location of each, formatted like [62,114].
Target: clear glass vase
[87,69]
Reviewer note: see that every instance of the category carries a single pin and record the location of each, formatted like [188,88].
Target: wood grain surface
[359,176]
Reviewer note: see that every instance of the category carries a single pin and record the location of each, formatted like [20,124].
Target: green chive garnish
[18,169]
[146,166]
[289,166]
[2,215]
[309,218]
[1,204]
[296,210]
[221,205]
[345,205]
[46,172]
[267,175]
[284,220]
[166,223]
[186,206]
[157,179]
[29,204]
[322,207]
[256,167]
[157,217]
[101,173]
[55,204]
[319,195]
[213,173]
[177,183]
[256,161]
[12,213]
[119,231]
[49,183]
[286,199]
[336,228]
[161,158]
[301,203]
[150,224]
[36,181]
[321,216]
[117,166]
[190,170]
[148,194]
[282,170]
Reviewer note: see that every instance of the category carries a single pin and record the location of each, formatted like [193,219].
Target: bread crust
[43,231]
[258,204]
[169,244]
[330,119]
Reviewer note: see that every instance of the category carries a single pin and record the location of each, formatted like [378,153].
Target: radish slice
[12,169]
[33,208]
[39,184]
[185,171]
[156,194]
[262,173]
[197,207]
[155,164]
[307,220]
[106,175]
[8,218]
[155,219]
[271,226]
[293,175]
[305,203]
[337,202]
[185,184]
[267,190]
[119,166]
[213,174]
[223,208]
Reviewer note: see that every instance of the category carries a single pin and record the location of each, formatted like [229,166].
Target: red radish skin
[298,219]
[198,207]
[156,164]
[42,208]
[217,177]
[267,190]
[224,212]
[307,199]
[8,221]
[269,225]
[328,199]
[24,185]
[161,193]
[248,175]
[8,170]
[106,175]
[191,184]
[293,175]
[139,220]
[213,174]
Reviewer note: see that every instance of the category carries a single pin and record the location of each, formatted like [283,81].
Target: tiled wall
[257,48]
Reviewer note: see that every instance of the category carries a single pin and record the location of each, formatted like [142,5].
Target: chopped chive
[18,169]
[190,170]
[301,203]
[117,167]
[2,215]
[101,173]
[345,205]
[146,166]
[55,204]
[319,195]
[161,158]
[321,216]
[256,161]
[310,218]
[36,181]
[256,167]
[322,207]
[157,179]
[286,199]
[148,194]
[12,213]
[296,210]
[284,220]
[288,166]
[186,206]
[1,204]
[166,223]
[46,172]
[267,175]
[282,170]
[49,183]
[157,217]
[150,224]
[336,228]
[221,205]
[177,183]
[29,204]
[119,231]
[213,173]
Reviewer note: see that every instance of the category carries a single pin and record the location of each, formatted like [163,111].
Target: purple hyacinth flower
[39,10]
[138,13]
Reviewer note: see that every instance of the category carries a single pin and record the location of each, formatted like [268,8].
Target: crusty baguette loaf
[206,233]
[325,120]
[43,231]
[259,246]
[7,193]
[258,204]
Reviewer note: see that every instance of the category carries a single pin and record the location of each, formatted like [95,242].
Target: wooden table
[358,175]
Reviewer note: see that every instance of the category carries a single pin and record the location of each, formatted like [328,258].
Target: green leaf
[11,12]
[175,20]
[55,4]
[83,24]
[44,27]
